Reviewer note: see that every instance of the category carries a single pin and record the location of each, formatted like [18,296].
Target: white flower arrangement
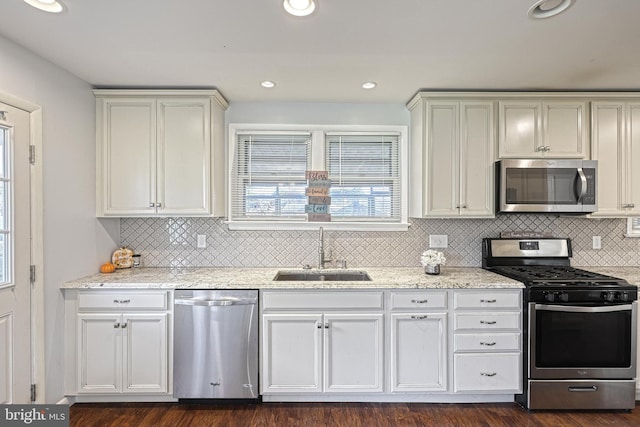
[432,257]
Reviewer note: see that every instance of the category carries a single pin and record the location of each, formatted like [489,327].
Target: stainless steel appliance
[557,185]
[216,344]
[580,327]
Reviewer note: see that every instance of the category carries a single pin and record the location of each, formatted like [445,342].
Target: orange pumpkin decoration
[107,267]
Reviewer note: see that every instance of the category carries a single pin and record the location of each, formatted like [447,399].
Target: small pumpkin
[107,267]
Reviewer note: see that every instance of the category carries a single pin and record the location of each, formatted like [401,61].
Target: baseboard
[417,398]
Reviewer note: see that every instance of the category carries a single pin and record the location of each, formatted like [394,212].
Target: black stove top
[543,266]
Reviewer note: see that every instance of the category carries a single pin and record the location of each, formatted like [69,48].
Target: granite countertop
[630,274]
[262,278]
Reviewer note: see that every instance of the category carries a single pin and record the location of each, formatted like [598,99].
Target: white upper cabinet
[160,153]
[552,129]
[616,147]
[452,157]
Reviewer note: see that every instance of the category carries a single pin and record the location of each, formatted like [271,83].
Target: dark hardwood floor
[337,414]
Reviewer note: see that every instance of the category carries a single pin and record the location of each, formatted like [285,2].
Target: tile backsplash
[165,242]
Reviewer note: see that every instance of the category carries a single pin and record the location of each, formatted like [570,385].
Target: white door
[565,125]
[145,351]
[100,353]
[418,352]
[354,353]
[15,253]
[519,125]
[291,353]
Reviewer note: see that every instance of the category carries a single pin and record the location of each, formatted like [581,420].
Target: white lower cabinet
[321,352]
[116,347]
[418,352]
[487,372]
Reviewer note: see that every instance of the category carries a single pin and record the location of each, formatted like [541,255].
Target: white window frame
[631,230]
[318,163]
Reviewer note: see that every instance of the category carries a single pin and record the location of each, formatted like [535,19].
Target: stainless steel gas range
[579,327]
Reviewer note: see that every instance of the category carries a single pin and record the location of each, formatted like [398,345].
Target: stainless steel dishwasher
[216,344]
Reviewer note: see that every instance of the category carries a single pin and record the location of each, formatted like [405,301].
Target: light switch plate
[438,241]
[597,242]
[202,241]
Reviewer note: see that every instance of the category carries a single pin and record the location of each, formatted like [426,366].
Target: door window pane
[5,208]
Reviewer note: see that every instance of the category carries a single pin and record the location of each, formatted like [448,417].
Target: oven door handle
[580,309]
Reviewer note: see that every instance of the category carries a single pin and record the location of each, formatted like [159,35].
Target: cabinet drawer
[509,320]
[486,342]
[123,300]
[322,300]
[487,372]
[475,300]
[416,300]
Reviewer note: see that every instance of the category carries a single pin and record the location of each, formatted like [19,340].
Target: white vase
[432,269]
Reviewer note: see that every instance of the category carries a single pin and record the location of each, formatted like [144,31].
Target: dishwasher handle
[222,302]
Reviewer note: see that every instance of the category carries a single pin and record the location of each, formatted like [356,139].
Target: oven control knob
[550,296]
[608,296]
[564,297]
[624,296]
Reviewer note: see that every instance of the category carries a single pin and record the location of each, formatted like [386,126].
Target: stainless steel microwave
[552,186]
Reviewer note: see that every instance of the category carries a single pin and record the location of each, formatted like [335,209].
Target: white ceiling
[404,45]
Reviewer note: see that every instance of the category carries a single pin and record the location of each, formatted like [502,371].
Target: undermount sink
[322,276]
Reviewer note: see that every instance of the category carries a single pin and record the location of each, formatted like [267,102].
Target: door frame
[37,243]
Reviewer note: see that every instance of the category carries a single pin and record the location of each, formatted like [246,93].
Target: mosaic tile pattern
[171,242]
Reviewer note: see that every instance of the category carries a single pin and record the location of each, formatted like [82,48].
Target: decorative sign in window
[317,191]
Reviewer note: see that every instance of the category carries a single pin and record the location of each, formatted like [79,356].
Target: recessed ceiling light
[299,7]
[268,84]
[369,85]
[548,8]
[52,6]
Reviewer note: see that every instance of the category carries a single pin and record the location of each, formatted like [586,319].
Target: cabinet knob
[419,317]
[488,322]
[326,325]
[464,206]
[487,374]
[488,344]
[487,301]
[158,205]
[124,325]
[116,325]
[319,325]
[152,205]
[419,301]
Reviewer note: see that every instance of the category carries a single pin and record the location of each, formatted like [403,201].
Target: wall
[75,243]
[172,242]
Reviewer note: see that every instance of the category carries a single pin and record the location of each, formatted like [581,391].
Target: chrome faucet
[321,260]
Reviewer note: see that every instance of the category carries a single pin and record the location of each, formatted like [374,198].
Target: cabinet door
[291,353]
[353,353]
[477,159]
[608,137]
[443,159]
[418,352]
[184,156]
[99,353]
[145,352]
[126,156]
[520,125]
[632,160]
[565,129]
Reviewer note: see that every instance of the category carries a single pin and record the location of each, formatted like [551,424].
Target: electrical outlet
[597,242]
[202,241]
[438,241]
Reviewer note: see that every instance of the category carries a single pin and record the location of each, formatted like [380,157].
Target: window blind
[364,173]
[268,175]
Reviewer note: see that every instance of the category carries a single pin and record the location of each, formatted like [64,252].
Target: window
[5,208]
[268,179]
[633,227]
[267,176]
[365,180]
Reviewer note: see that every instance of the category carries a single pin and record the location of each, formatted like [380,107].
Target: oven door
[576,342]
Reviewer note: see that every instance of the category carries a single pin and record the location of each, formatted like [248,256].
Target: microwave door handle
[583,184]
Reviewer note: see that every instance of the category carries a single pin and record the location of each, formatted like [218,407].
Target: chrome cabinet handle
[488,301]
[487,374]
[488,344]
[158,205]
[124,325]
[488,322]
[419,301]
[326,325]
[152,205]
[419,317]
[319,325]
[540,148]
[217,383]
[583,389]
[116,325]
[122,301]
